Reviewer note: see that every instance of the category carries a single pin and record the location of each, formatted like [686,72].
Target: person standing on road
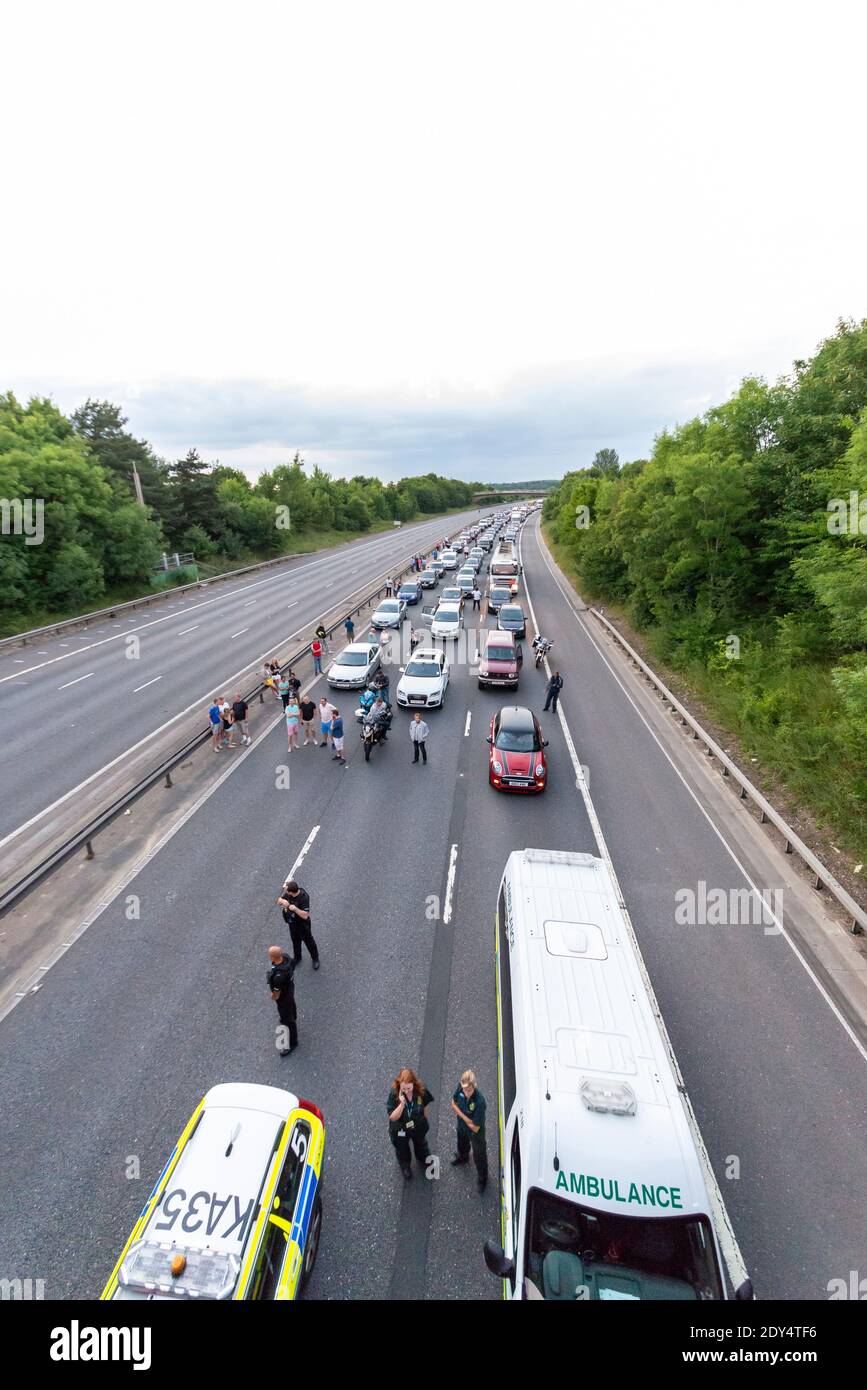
[389,588]
[282,989]
[216,722]
[407,1105]
[293,722]
[307,709]
[326,714]
[350,629]
[226,717]
[418,732]
[477,598]
[337,736]
[555,685]
[239,714]
[296,914]
[470,1107]
[316,649]
[284,689]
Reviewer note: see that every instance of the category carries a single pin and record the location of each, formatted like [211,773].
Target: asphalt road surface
[78,700]
[106,1062]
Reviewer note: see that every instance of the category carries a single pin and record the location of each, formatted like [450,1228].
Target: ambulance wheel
[313,1233]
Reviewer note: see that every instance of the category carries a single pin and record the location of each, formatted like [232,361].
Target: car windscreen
[517,740]
[609,1257]
[422,668]
[509,614]
[390,606]
[446,618]
[499,595]
[499,654]
[352,659]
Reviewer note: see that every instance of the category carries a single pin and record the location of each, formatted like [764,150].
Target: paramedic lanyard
[408,1120]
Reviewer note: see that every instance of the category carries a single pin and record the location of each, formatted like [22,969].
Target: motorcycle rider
[380,716]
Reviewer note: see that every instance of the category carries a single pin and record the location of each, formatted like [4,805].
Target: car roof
[517,717]
[449,608]
[357,647]
[499,637]
[427,654]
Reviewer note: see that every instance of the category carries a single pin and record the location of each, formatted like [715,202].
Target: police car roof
[224,1161]
[583,1014]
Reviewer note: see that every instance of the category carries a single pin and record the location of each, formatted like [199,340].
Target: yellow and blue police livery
[237,1211]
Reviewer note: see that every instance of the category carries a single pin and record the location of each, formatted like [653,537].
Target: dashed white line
[468,723]
[75,682]
[185,630]
[146,684]
[239,634]
[250,603]
[450,883]
[302,856]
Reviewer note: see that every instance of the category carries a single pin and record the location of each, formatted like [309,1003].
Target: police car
[237,1211]
[607,1191]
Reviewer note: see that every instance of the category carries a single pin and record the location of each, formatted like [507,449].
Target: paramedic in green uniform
[470,1106]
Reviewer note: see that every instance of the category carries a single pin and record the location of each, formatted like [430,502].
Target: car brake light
[313,1109]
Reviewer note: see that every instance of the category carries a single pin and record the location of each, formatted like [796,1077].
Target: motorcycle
[373,731]
[542,646]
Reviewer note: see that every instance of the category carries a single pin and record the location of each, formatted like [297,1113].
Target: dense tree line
[96,536]
[740,545]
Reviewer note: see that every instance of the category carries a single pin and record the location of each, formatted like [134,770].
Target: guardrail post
[168,781]
[89,848]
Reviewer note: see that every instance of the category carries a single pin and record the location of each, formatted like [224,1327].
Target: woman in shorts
[293,722]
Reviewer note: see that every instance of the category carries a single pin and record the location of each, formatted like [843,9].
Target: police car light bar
[205,1273]
[609,1097]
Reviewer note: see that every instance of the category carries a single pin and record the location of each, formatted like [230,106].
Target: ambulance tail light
[313,1109]
[608,1097]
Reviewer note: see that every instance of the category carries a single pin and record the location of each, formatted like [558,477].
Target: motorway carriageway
[140,1017]
[77,702]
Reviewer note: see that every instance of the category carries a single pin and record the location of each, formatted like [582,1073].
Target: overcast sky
[481,238]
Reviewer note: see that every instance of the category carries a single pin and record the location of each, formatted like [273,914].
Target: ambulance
[607,1193]
[237,1211]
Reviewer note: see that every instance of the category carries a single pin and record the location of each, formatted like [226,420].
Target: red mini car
[517,759]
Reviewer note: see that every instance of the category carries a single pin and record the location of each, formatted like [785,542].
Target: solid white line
[450,883]
[303,855]
[75,682]
[146,684]
[239,634]
[185,630]
[469,721]
[732,1255]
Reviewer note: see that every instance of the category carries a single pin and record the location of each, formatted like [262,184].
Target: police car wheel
[312,1246]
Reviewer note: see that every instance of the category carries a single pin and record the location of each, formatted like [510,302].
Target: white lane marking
[293,605]
[374,547]
[185,630]
[249,603]
[75,682]
[19,661]
[450,883]
[146,684]
[720,836]
[239,634]
[735,1262]
[468,723]
[303,855]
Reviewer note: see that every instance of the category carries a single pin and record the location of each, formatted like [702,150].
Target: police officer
[282,991]
[470,1106]
[296,914]
[407,1105]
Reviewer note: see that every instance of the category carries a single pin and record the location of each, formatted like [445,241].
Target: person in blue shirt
[215,716]
[470,1107]
[337,736]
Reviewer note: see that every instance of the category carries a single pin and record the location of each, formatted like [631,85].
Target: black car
[410,592]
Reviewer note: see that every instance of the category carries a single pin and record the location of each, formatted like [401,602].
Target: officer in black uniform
[283,993]
[470,1107]
[296,914]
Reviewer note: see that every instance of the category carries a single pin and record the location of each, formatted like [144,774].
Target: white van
[605,1182]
